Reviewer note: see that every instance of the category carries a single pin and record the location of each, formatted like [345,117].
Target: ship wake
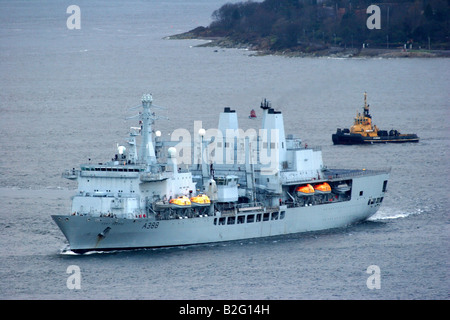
[392,214]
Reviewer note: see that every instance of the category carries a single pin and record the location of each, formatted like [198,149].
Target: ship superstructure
[236,185]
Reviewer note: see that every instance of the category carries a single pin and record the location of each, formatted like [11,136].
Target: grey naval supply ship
[227,190]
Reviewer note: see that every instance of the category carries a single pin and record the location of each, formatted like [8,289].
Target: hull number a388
[150,225]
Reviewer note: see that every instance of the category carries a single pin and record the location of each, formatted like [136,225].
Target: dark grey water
[65,95]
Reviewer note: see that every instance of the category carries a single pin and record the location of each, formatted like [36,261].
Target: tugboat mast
[366,106]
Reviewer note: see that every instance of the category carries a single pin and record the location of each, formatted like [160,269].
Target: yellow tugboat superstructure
[363,122]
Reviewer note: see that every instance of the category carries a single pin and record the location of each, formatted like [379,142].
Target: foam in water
[390,213]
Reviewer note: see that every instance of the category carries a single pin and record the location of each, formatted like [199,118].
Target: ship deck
[332,174]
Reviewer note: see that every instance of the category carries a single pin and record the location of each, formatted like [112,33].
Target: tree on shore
[290,24]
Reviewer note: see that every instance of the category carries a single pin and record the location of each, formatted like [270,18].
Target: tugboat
[252,114]
[255,185]
[363,132]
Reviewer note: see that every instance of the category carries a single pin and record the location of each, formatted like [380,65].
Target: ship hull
[85,233]
[349,138]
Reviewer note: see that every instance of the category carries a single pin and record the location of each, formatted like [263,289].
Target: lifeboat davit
[322,188]
[180,202]
[306,190]
[201,200]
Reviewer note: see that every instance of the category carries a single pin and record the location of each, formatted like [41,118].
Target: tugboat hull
[351,138]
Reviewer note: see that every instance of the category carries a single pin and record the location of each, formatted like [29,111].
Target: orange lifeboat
[306,190]
[322,188]
[201,200]
[180,202]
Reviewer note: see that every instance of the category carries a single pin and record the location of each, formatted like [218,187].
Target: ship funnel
[273,131]
[228,127]
[172,159]
[228,120]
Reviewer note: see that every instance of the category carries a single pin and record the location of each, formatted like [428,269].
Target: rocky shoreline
[310,49]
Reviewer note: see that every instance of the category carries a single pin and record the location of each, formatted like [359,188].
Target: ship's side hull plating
[86,233]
